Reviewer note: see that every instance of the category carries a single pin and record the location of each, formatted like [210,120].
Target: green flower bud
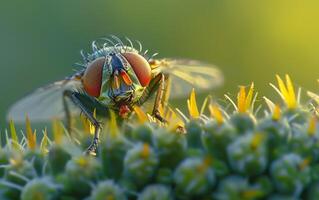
[164,176]
[297,115]
[278,133]
[142,133]
[282,197]
[140,163]
[236,188]
[170,147]
[194,133]
[37,158]
[290,174]
[79,172]
[242,122]
[57,159]
[194,177]
[156,192]
[247,155]
[40,189]
[216,138]
[107,190]
[112,155]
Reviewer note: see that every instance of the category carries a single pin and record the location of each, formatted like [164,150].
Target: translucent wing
[187,74]
[44,103]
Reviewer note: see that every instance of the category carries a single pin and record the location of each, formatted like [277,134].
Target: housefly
[115,76]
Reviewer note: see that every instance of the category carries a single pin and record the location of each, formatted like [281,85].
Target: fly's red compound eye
[140,66]
[92,78]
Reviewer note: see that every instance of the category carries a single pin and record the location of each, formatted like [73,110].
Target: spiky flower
[207,153]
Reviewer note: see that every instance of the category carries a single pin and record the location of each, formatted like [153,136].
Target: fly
[115,76]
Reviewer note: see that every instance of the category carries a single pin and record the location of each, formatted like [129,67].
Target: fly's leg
[159,98]
[73,96]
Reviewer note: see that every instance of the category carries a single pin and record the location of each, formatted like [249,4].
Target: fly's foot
[92,148]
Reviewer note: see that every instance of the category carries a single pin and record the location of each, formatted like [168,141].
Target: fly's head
[117,69]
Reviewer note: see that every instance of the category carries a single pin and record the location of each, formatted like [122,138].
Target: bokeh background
[249,40]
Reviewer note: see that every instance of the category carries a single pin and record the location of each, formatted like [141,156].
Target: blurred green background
[248,40]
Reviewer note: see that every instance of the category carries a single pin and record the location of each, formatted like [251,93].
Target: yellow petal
[241,100]
[192,105]
[216,113]
[282,89]
[249,96]
[312,126]
[113,128]
[31,137]
[276,113]
[57,131]
[174,122]
[291,91]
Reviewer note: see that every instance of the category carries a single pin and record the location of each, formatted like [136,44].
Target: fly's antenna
[140,46]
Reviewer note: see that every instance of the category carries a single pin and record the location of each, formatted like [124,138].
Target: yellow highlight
[216,113]
[287,91]
[110,197]
[192,105]
[44,142]
[31,137]
[82,161]
[207,161]
[312,126]
[146,150]
[251,193]
[243,101]
[257,140]
[85,124]
[141,115]
[305,163]
[276,113]
[57,131]
[113,128]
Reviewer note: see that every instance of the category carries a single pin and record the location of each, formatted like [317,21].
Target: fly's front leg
[159,98]
[74,97]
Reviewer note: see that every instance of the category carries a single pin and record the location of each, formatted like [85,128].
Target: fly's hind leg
[75,98]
